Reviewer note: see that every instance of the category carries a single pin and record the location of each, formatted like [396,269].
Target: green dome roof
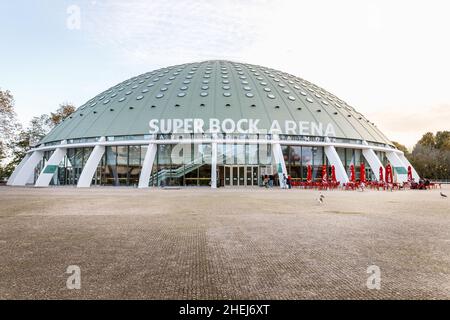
[212,89]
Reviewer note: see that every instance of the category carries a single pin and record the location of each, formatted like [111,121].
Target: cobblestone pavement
[223,244]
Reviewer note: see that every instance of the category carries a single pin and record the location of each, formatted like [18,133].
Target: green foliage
[8,124]
[431,155]
[401,147]
[15,141]
[64,110]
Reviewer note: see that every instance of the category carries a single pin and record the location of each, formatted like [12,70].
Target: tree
[16,141]
[8,123]
[431,155]
[401,147]
[64,110]
[443,140]
[427,140]
[38,128]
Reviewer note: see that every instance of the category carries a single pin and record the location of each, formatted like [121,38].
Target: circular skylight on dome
[203,94]
[181,94]
[249,95]
[159,95]
[227,94]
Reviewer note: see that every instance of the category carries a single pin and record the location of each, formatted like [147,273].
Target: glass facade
[355,157]
[298,158]
[190,164]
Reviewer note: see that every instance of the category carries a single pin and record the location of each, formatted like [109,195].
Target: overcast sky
[388,59]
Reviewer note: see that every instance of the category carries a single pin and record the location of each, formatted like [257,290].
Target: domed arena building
[212,123]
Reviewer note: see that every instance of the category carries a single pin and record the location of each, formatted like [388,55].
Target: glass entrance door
[241,176]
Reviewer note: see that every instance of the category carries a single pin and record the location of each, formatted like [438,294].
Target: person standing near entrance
[271,181]
[284,182]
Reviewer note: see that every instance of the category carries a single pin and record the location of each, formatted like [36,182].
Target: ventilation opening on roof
[299,108]
[349,115]
[177,105]
[318,110]
[95,112]
[253,106]
[81,114]
[131,108]
[153,107]
[228,105]
[111,109]
[202,105]
[277,107]
[335,113]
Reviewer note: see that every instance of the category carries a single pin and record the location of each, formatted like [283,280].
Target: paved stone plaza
[223,244]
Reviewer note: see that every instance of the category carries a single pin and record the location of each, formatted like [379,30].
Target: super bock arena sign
[242,126]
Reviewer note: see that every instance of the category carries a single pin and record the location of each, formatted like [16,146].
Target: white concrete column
[17,169]
[279,161]
[147,166]
[395,161]
[91,165]
[406,163]
[335,160]
[214,165]
[50,168]
[27,170]
[373,160]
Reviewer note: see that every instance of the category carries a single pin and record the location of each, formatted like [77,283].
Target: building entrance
[241,176]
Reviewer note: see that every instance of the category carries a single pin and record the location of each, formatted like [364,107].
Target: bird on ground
[443,195]
[320,199]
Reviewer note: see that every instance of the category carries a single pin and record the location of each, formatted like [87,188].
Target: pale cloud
[408,126]
[383,57]
[158,32]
